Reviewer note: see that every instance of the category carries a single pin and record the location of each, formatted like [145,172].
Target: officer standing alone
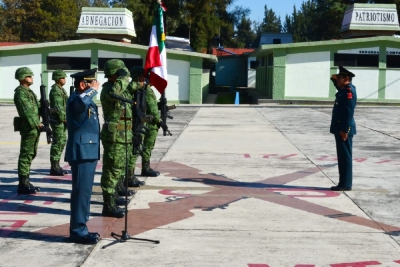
[82,152]
[58,100]
[343,126]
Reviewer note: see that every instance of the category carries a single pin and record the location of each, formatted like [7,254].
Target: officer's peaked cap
[344,72]
[88,75]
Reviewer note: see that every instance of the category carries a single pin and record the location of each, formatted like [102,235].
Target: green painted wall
[205,82]
[278,83]
[196,72]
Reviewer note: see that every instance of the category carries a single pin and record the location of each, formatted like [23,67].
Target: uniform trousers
[82,184]
[28,149]
[345,160]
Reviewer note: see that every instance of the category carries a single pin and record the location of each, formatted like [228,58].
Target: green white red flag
[156,58]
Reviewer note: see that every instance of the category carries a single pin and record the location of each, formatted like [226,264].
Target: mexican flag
[156,58]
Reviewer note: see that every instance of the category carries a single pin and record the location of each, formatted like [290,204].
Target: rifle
[45,112]
[139,117]
[164,109]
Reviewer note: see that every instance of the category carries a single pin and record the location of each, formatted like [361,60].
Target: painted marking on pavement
[16,224]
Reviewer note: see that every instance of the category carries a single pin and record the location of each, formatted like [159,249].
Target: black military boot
[133,181]
[122,190]
[54,170]
[120,201]
[61,169]
[147,171]
[110,209]
[25,187]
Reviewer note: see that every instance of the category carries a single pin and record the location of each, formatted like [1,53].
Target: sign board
[106,22]
[370,20]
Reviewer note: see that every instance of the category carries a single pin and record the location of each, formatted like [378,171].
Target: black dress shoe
[338,188]
[90,238]
[94,234]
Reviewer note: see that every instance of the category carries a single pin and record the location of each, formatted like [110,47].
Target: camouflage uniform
[149,138]
[113,133]
[151,135]
[28,108]
[58,100]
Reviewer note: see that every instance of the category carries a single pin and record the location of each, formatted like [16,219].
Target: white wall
[392,84]
[366,82]
[178,80]
[8,66]
[307,75]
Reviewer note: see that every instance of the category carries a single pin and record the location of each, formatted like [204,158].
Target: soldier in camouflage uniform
[29,126]
[153,125]
[58,99]
[136,83]
[114,137]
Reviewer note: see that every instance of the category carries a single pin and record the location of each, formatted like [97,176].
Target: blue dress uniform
[343,121]
[82,153]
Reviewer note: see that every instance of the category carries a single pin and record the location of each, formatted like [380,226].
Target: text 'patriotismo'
[375,16]
[102,20]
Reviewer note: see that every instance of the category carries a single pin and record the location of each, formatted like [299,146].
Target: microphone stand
[125,236]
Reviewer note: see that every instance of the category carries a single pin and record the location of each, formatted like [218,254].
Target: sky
[280,7]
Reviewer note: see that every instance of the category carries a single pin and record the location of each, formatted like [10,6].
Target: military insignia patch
[349,95]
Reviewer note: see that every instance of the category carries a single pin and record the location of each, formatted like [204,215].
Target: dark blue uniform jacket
[343,111]
[83,127]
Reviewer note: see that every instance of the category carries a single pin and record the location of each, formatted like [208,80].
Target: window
[68,63]
[129,62]
[254,64]
[276,41]
[392,61]
[356,60]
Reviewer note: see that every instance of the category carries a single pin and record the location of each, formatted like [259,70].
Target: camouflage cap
[58,74]
[22,73]
[112,66]
[136,72]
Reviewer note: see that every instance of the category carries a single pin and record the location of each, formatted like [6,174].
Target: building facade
[188,81]
[302,71]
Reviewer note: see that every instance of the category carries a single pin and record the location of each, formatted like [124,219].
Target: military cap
[344,72]
[22,73]
[136,72]
[58,74]
[112,66]
[87,75]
